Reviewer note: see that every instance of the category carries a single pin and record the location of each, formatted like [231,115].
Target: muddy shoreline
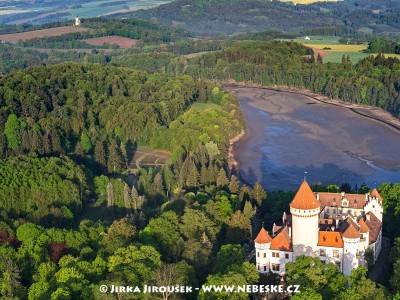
[371,112]
[336,141]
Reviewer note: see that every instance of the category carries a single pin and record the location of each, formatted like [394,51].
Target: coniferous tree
[86,143]
[10,284]
[12,133]
[100,154]
[204,175]
[158,183]
[47,143]
[110,195]
[25,140]
[193,176]
[234,185]
[114,162]
[124,154]
[127,198]
[222,179]
[79,149]
[248,210]
[239,228]
[55,142]
[135,198]
[184,173]
[258,193]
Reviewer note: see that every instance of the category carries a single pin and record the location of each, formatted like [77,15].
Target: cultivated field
[24,36]
[122,42]
[12,11]
[339,48]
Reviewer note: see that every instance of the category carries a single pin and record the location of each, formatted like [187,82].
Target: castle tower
[351,239]
[262,245]
[373,204]
[305,209]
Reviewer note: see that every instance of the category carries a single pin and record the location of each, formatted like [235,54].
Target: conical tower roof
[263,237]
[305,198]
[363,227]
[351,232]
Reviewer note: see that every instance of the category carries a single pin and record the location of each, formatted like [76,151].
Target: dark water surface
[289,134]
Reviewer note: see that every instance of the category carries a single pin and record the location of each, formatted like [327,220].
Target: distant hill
[213,17]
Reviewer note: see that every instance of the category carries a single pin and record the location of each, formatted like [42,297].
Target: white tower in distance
[262,245]
[77,21]
[305,209]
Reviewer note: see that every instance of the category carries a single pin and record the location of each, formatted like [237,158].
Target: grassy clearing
[354,56]
[317,39]
[203,106]
[336,57]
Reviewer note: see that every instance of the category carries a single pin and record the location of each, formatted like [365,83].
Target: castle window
[287,256]
[322,252]
[275,267]
[275,254]
[258,267]
[345,203]
[265,255]
[335,253]
[265,268]
[334,210]
[258,254]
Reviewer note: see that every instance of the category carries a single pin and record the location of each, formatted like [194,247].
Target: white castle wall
[350,258]
[305,230]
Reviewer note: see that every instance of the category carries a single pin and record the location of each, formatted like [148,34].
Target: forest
[75,214]
[373,81]
[217,18]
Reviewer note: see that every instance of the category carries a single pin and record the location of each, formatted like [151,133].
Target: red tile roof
[282,241]
[305,198]
[330,239]
[263,237]
[374,226]
[376,194]
[335,199]
[363,227]
[351,232]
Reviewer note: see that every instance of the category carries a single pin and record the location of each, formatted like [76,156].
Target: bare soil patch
[122,42]
[24,36]
[149,157]
[322,53]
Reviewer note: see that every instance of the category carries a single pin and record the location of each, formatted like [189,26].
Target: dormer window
[345,203]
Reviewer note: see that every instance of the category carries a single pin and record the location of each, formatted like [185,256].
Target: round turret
[305,209]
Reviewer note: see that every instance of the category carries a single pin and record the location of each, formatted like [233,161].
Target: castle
[335,227]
